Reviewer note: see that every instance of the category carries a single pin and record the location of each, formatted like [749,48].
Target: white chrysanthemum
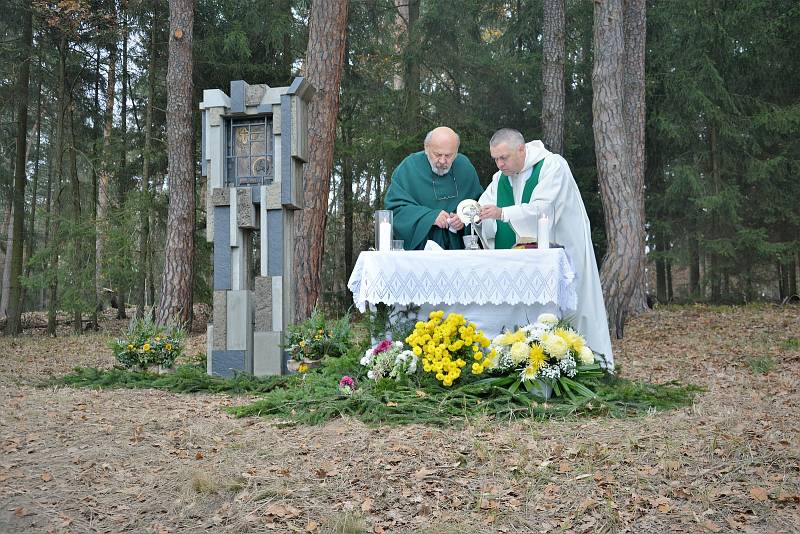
[529,373]
[398,344]
[586,356]
[548,319]
[519,352]
[555,346]
[371,375]
[367,359]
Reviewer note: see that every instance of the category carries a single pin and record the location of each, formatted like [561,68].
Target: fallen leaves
[759,493]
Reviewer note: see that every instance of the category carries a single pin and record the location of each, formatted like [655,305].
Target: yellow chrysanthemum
[168,346]
[519,352]
[585,355]
[302,368]
[536,357]
[555,346]
[146,347]
[529,373]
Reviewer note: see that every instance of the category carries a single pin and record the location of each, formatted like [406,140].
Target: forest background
[722,151]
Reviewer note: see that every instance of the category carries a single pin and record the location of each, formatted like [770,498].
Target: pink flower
[347,381]
[383,346]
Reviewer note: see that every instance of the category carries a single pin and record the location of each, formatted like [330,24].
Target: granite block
[275,242]
[238,91]
[222,249]
[263,303]
[267,353]
[221,196]
[245,210]
[225,362]
[220,321]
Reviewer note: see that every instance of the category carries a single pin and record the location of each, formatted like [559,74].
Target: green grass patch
[792,343]
[761,364]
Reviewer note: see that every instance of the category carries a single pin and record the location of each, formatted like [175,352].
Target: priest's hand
[489,211]
[441,219]
[455,222]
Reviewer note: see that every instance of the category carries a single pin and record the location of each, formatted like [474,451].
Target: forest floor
[78,460]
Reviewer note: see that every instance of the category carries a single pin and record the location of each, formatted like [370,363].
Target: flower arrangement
[347,385]
[549,350]
[447,344]
[389,359]
[148,345]
[317,337]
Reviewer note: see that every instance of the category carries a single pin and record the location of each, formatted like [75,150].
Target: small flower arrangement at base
[148,346]
[449,344]
[549,351]
[347,385]
[317,337]
[388,359]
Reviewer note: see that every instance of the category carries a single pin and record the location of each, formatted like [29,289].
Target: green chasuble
[417,195]
[506,237]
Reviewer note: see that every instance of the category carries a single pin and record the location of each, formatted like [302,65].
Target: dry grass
[150,461]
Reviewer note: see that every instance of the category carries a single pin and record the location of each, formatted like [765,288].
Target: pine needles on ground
[187,378]
[314,397]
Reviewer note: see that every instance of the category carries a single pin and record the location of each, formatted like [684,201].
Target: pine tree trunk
[31,240]
[121,289]
[661,269]
[9,227]
[553,52]
[77,260]
[325,56]
[175,307]
[13,326]
[144,212]
[694,267]
[623,219]
[55,211]
[104,176]
[635,28]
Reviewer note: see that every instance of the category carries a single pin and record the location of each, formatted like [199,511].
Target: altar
[493,288]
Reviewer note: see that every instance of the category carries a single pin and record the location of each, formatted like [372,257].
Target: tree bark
[120,288]
[104,176]
[553,53]
[77,260]
[635,28]
[144,214]
[175,307]
[31,239]
[624,221]
[13,326]
[324,59]
[55,212]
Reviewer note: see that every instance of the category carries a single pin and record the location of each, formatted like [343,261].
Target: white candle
[543,231]
[385,237]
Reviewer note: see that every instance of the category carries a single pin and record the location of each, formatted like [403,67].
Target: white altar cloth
[493,288]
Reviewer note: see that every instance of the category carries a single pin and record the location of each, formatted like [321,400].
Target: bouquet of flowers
[549,350]
[147,345]
[313,339]
[447,345]
[389,359]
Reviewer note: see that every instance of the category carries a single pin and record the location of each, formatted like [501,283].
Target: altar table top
[528,277]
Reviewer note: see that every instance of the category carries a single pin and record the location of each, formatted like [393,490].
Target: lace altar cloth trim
[464,277]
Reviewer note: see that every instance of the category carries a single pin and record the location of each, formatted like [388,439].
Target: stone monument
[254,145]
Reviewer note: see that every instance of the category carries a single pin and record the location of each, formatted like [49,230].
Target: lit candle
[385,237]
[543,231]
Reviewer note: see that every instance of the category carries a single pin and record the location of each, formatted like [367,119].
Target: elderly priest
[529,174]
[426,189]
